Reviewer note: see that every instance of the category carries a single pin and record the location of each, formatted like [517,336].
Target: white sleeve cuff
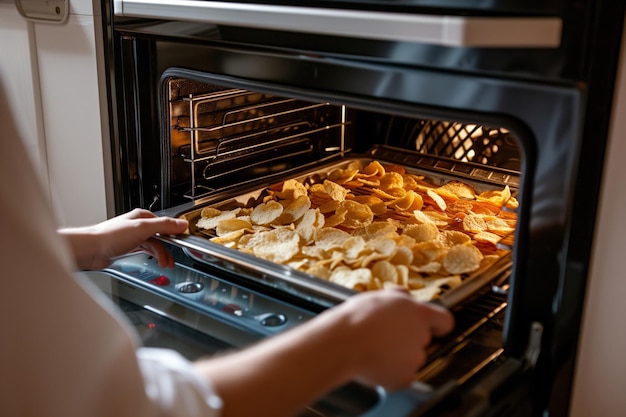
[173,384]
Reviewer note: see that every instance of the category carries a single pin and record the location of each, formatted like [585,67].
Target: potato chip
[376,230]
[311,220]
[329,238]
[391,180]
[342,176]
[385,271]
[487,237]
[458,189]
[376,204]
[374,168]
[451,238]
[292,189]
[211,218]
[277,245]
[462,259]
[335,191]
[474,223]
[352,247]
[266,213]
[422,232]
[295,209]
[439,201]
[359,279]
[231,225]
[356,214]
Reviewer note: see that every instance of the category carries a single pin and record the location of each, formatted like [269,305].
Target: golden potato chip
[356,214]
[231,225]
[440,220]
[458,189]
[329,238]
[342,176]
[374,168]
[359,279]
[462,259]
[487,237]
[422,232]
[498,226]
[213,217]
[277,245]
[335,191]
[352,247]
[228,239]
[403,256]
[266,213]
[451,238]
[499,197]
[295,209]
[377,205]
[439,201]
[432,267]
[474,223]
[329,206]
[431,250]
[311,220]
[426,293]
[385,271]
[376,230]
[292,189]
[406,202]
[319,271]
[210,212]
[391,180]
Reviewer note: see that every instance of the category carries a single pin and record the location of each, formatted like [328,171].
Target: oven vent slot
[230,136]
[460,141]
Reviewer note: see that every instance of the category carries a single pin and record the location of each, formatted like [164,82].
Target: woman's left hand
[96,246]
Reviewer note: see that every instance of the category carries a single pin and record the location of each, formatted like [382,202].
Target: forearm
[84,244]
[279,376]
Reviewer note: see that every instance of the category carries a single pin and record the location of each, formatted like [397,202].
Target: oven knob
[189,287]
[272,319]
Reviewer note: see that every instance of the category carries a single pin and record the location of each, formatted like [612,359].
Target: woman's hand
[376,338]
[94,247]
[390,332]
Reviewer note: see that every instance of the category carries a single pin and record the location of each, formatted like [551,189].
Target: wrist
[83,244]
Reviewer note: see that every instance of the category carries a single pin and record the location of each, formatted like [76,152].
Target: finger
[165,225]
[139,213]
[159,252]
[441,320]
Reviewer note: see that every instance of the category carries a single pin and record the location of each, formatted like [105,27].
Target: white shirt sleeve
[170,382]
[65,351]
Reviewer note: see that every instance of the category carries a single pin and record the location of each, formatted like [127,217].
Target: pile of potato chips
[370,226]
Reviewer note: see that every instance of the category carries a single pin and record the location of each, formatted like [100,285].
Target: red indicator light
[151,325]
[161,281]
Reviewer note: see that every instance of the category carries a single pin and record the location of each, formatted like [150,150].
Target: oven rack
[237,132]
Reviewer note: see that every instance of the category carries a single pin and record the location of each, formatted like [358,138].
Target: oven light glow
[161,281]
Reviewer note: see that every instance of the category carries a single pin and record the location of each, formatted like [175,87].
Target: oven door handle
[442,30]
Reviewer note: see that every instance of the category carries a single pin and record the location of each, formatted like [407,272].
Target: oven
[218,108]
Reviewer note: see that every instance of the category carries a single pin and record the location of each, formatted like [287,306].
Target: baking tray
[438,172]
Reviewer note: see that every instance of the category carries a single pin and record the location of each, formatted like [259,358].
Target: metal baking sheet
[251,196]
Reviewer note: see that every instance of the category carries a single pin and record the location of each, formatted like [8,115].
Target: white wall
[55,74]
[601,366]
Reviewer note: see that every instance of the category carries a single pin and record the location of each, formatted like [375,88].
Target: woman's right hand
[390,331]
